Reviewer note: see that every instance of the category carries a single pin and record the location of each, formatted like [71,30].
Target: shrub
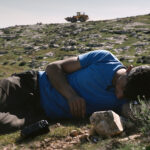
[141,115]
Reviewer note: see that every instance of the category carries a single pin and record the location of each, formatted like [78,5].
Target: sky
[22,12]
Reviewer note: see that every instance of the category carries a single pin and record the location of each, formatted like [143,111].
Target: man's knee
[10,123]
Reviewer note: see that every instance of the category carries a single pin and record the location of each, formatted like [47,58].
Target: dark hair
[138,83]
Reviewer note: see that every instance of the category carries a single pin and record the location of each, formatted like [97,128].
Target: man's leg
[19,102]
[10,122]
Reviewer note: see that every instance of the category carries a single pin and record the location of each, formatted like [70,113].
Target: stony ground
[76,137]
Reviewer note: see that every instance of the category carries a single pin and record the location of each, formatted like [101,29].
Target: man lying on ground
[71,88]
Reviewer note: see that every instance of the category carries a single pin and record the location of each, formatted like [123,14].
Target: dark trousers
[19,101]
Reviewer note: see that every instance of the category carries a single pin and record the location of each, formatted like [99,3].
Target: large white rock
[106,123]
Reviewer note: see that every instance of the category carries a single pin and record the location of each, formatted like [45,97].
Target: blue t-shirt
[91,82]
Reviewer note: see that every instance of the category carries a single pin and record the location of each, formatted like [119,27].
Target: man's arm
[56,72]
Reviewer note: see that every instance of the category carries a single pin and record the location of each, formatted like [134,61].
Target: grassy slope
[49,32]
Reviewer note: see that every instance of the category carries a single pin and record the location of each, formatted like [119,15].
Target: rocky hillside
[34,46]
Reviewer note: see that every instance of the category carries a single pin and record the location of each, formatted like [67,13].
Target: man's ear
[129,68]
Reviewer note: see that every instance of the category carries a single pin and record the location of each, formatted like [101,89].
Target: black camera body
[38,128]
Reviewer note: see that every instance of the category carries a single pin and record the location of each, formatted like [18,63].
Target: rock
[106,123]
[104,30]
[83,49]
[75,32]
[107,47]
[144,60]
[52,41]
[33,64]
[49,54]
[16,52]
[22,63]
[44,47]
[54,45]
[38,57]
[131,137]
[69,48]
[84,138]
[140,51]
[119,39]
[36,48]
[3,52]
[126,48]
[94,36]
[140,44]
[13,62]
[94,45]
[70,42]
[68,139]
[130,60]
[19,58]
[122,58]
[28,47]
[127,58]
[5,63]
[75,133]
[118,31]
[8,37]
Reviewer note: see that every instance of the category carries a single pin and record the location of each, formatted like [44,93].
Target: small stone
[22,63]
[68,139]
[131,137]
[49,54]
[13,62]
[47,140]
[5,63]
[75,133]
[135,136]
[84,138]
[58,124]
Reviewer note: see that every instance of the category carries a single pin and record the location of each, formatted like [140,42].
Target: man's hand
[77,107]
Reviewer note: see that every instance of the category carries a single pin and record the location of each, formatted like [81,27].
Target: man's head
[137,83]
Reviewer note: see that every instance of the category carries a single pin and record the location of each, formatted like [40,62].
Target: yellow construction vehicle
[79,17]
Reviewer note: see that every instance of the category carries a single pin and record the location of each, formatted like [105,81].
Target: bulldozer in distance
[79,17]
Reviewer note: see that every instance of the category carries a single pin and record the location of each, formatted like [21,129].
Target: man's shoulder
[100,51]
[105,55]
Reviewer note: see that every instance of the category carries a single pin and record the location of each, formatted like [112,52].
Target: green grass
[62,131]
[55,133]
[141,113]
